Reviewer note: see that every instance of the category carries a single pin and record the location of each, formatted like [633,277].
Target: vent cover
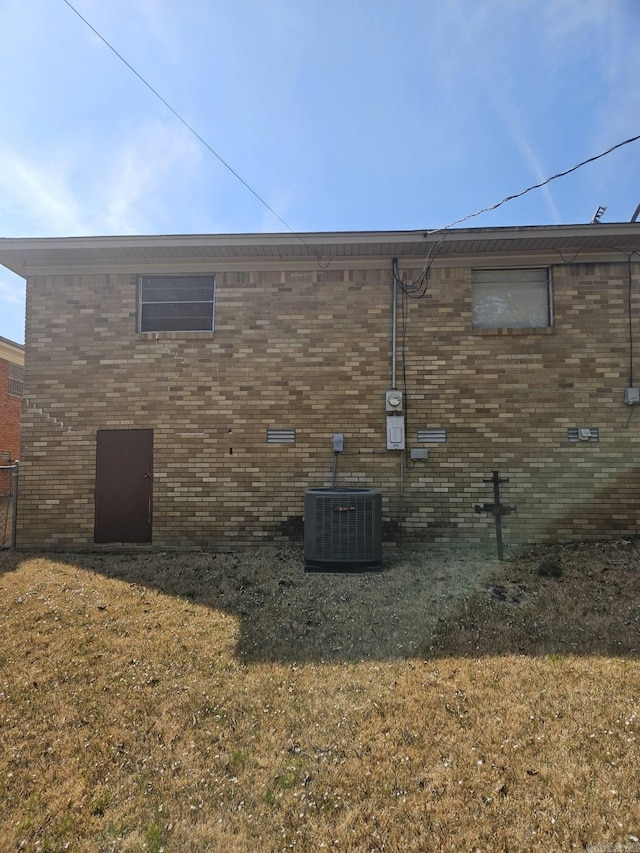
[583,434]
[281,436]
[432,436]
[342,530]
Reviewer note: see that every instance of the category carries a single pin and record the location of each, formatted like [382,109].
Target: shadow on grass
[424,603]
[6,519]
[10,560]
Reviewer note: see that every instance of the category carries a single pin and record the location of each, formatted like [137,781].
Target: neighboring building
[11,382]
[186,390]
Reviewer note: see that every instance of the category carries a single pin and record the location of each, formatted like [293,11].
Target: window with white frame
[176,303]
[511,299]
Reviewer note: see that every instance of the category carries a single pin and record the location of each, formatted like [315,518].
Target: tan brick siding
[311,350]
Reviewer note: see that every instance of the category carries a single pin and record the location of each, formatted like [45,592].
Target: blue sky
[341,114]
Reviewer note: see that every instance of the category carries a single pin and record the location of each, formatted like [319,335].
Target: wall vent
[583,435]
[281,436]
[432,436]
[342,530]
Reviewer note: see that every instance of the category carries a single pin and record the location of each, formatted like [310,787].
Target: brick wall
[311,350]
[9,415]
[10,406]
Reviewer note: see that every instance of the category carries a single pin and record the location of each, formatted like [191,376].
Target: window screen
[505,299]
[176,303]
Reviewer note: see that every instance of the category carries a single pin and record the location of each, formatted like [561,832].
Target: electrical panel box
[419,453]
[395,432]
[338,442]
[632,396]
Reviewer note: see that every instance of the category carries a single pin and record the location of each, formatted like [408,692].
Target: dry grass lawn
[229,702]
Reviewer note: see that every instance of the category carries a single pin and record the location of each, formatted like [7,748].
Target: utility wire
[183,121]
[424,275]
[535,186]
[418,288]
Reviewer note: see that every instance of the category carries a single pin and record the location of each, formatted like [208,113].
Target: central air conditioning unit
[342,530]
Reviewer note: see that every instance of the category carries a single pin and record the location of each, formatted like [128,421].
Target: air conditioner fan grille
[343,529]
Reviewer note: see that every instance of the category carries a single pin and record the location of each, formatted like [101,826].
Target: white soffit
[527,244]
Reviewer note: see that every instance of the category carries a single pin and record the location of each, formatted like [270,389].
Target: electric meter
[394,401]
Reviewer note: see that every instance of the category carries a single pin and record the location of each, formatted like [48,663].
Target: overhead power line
[189,127]
[265,204]
[418,288]
[536,186]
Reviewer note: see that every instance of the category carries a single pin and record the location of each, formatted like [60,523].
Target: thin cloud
[37,194]
[127,19]
[535,166]
[477,33]
[87,190]
[591,29]
[151,160]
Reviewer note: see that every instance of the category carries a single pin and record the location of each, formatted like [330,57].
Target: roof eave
[38,255]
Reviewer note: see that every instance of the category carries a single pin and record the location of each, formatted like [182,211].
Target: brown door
[124,477]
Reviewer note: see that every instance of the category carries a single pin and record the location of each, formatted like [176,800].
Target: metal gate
[8,504]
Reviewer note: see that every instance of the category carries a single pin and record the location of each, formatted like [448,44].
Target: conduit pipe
[394,320]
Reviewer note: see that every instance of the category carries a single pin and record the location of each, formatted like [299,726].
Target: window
[16,380]
[176,303]
[511,299]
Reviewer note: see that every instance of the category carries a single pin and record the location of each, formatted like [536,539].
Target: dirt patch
[426,601]
[288,615]
[576,598]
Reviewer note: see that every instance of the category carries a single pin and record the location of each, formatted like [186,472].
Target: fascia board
[323,237]
[498,259]
[11,352]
